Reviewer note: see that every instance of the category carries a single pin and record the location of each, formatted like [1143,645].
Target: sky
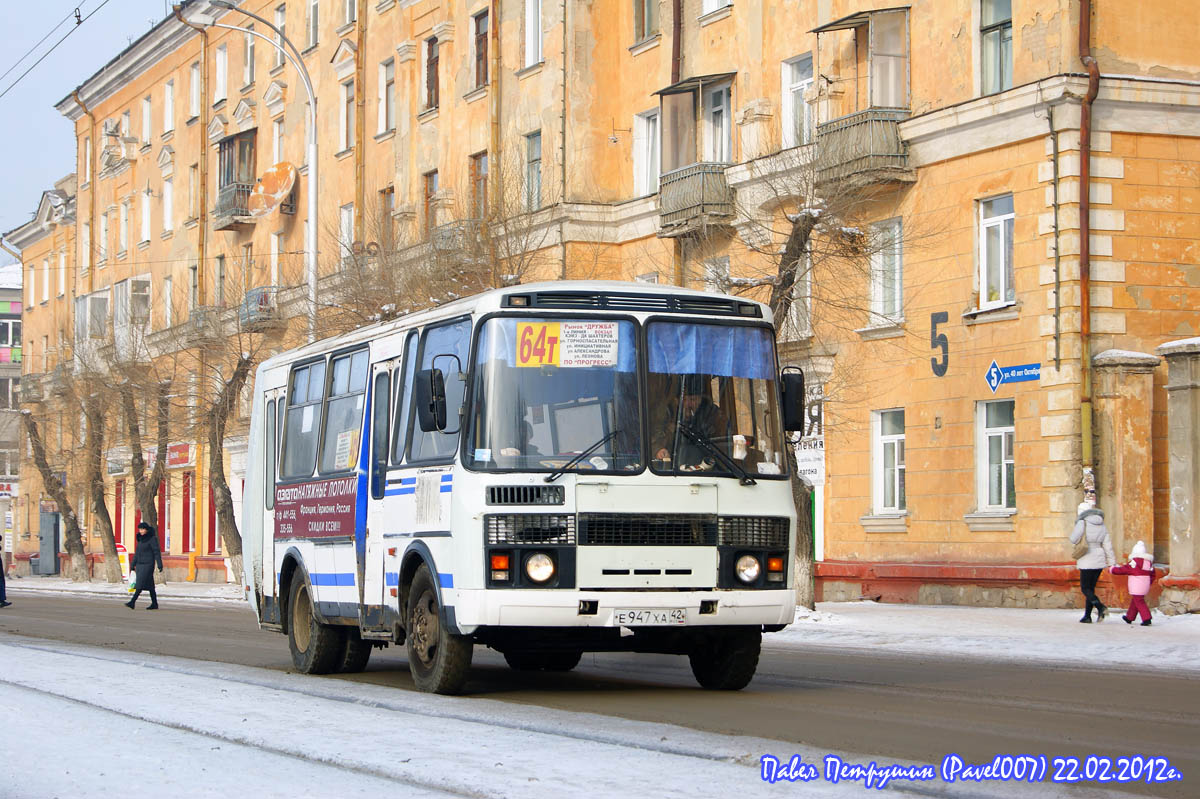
[36,141]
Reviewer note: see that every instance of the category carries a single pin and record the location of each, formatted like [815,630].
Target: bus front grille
[529,528]
[647,529]
[525,495]
[754,532]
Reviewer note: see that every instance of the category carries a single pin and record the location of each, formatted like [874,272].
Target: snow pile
[166,590]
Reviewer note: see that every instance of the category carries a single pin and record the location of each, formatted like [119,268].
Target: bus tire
[520,660]
[727,661]
[438,659]
[316,648]
[357,653]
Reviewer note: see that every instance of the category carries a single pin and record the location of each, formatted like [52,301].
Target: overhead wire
[79,22]
[17,63]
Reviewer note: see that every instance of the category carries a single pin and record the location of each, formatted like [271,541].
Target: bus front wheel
[316,648]
[438,659]
[727,660]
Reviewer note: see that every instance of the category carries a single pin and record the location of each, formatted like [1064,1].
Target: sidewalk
[1049,637]
[219,592]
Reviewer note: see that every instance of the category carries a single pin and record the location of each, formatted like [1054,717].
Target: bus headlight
[747,568]
[540,567]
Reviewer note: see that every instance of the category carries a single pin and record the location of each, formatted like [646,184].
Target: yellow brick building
[678,142]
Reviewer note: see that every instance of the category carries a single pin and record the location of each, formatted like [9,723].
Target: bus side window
[381,399]
[344,412]
[450,339]
[269,454]
[404,400]
[301,433]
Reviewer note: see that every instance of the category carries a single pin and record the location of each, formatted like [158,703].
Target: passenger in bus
[700,414]
[523,443]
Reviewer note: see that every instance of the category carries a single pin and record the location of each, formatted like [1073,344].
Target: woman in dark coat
[145,557]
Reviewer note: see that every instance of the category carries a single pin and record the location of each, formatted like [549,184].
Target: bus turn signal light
[775,568]
[500,568]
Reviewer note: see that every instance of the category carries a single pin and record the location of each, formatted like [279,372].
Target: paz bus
[546,469]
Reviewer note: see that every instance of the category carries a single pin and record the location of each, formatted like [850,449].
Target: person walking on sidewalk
[1141,573]
[1090,525]
[3,593]
[147,555]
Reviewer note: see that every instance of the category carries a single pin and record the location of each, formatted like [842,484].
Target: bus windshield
[712,399]
[547,389]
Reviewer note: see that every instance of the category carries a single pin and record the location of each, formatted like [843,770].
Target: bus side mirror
[793,400]
[430,391]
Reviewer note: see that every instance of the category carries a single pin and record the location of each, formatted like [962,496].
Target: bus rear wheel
[438,659]
[316,648]
[357,653]
[727,660]
[542,661]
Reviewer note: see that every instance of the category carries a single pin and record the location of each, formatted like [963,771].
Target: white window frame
[718,132]
[387,96]
[876,77]
[647,277]
[85,251]
[45,280]
[194,92]
[887,292]
[314,22]
[1004,223]
[221,83]
[799,318]
[193,287]
[123,227]
[533,32]
[248,52]
[709,6]
[87,158]
[168,205]
[147,117]
[277,140]
[125,123]
[647,152]
[795,114]
[533,172]
[62,273]
[351,11]
[274,257]
[168,300]
[145,216]
[716,274]
[1001,78]
[168,107]
[346,230]
[346,117]
[102,243]
[31,287]
[1006,436]
[281,24]
[879,479]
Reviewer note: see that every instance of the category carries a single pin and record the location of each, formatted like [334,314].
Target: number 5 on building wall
[937,340]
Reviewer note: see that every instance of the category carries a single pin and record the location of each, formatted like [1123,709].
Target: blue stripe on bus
[393,492]
[392,578]
[447,488]
[446,478]
[334,579]
[445,580]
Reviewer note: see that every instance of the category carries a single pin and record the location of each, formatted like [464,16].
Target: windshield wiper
[559,472]
[702,441]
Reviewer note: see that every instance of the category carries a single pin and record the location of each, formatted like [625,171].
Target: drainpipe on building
[1057,269]
[1085,300]
[676,59]
[360,121]
[495,169]
[91,178]
[199,530]
[562,138]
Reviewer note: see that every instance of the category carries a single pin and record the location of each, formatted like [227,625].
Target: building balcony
[259,311]
[31,388]
[232,209]
[692,197]
[203,325]
[461,236]
[864,147]
[57,382]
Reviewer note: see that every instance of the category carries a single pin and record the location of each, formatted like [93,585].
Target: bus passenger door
[272,424]
[374,583]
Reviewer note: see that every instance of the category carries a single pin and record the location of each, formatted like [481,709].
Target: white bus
[547,470]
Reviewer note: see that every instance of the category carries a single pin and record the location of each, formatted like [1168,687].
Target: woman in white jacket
[1090,523]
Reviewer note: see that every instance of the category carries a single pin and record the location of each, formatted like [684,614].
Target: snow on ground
[1008,634]
[124,721]
[168,590]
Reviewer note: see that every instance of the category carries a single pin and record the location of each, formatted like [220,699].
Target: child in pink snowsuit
[1141,573]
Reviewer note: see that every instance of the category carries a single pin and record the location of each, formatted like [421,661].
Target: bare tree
[72,537]
[93,451]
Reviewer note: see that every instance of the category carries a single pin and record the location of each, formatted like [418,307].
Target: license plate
[643,617]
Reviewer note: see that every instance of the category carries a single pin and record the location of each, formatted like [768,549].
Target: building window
[533,32]
[716,274]
[718,134]
[45,280]
[31,285]
[219,279]
[346,230]
[237,160]
[314,22]
[996,37]
[646,143]
[168,205]
[248,65]
[125,122]
[194,92]
[277,141]
[123,228]
[62,274]
[281,24]
[994,455]
[168,301]
[797,118]
[387,209]
[431,72]
[429,184]
[387,95]
[480,21]
[647,277]
[351,10]
[168,107]
[193,287]
[533,171]
[145,216]
[479,185]
[887,272]
[996,252]
[709,6]
[645,19]
[85,252]
[799,316]
[889,59]
[888,460]
[87,158]
[147,116]
[220,87]
[347,120]
[274,256]
[102,244]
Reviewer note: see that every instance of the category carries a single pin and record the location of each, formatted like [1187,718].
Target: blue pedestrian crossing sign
[999,375]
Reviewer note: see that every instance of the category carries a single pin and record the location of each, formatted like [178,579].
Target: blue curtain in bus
[499,342]
[717,350]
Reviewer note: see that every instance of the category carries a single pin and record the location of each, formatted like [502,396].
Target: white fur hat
[1139,551]
[1082,507]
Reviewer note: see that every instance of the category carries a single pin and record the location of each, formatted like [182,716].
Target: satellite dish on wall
[271,189]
